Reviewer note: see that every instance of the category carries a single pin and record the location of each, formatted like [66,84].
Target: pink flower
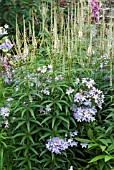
[6,64]
[96,8]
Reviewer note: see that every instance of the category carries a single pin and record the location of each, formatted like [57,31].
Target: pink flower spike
[6,64]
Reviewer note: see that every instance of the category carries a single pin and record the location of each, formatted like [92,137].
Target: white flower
[48,109]
[5,112]
[71,168]
[6,26]
[16,89]
[39,69]
[50,66]
[6,124]
[10,99]
[77,80]
[44,69]
[31,84]
[69,91]
[84,145]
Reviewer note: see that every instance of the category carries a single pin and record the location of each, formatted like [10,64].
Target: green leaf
[38,95]
[32,149]
[22,163]
[110,148]
[28,126]
[93,145]
[43,152]
[104,141]
[34,160]
[90,134]
[97,158]
[23,139]
[35,131]
[31,139]
[20,148]
[20,124]
[63,101]
[24,95]
[32,113]
[83,140]
[108,157]
[102,147]
[36,121]
[73,121]
[19,134]
[22,113]
[47,101]
[53,121]
[46,119]
[59,105]
[46,135]
[62,131]
[18,109]
[63,119]
[1,158]
[29,163]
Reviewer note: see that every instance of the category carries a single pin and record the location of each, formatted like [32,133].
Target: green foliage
[34,90]
[9,10]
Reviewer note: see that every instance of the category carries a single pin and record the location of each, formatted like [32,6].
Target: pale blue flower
[4,111]
[69,91]
[56,145]
[7,44]
[84,145]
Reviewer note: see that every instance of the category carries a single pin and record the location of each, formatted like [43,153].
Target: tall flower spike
[96,9]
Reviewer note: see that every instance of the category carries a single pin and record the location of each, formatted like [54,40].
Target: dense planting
[56,89]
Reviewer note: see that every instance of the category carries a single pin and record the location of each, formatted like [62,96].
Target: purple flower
[4,112]
[73,134]
[84,80]
[96,8]
[45,91]
[77,81]
[6,64]
[85,114]
[69,91]
[56,145]
[78,97]
[72,143]
[7,44]
[90,83]
[87,103]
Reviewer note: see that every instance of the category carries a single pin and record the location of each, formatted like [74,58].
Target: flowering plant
[5,43]
[96,9]
[5,46]
[56,104]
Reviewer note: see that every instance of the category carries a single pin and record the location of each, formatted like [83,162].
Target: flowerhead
[56,145]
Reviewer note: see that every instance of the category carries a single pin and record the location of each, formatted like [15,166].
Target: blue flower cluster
[84,114]
[56,145]
[86,100]
[7,43]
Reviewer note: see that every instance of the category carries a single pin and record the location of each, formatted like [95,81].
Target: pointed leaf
[97,158]
[108,157]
